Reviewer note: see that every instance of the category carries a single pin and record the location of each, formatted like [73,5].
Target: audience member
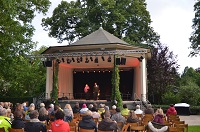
[159,116]
[171,110]
[43,115]
[4,121]
[51,109]
[132,117]
[95,113]
[10,114]
[149,110]
[76,108]
[117,116]
[59,125]
[34,125]
[90,107]
[30,108]
[83,109]
[87,122]
[68,113]
[19,107]
[125,110]
[18,122]
[107,124]
[138,110]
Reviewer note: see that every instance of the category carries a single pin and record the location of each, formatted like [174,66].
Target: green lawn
[193,128]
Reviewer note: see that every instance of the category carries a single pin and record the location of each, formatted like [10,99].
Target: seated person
[132,117]
[125,110]
[5,121]
[117,116]
[138,110]
[34,125]
[59,125]
[87,121]
[159,116]
[84,109]
[171,110]
[18,122]
[107,124]
[149,110]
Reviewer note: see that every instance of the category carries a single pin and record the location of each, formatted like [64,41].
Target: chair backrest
[73,126]
[105,131]
[2,129]
[86,130]
[125,127]
[185,126]
[120,125]
[176,129]
[179,122]
[15,130]
[138,128]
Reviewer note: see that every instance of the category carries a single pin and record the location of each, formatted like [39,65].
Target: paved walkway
[192,120]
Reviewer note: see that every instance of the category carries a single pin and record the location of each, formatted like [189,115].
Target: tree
[195,37]
[126,19]
[162,74]
[16,42]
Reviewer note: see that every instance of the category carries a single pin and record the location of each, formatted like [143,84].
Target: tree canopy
[195,37]
[126,19]
[16,42]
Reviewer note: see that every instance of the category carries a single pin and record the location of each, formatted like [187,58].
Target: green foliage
[116,94]
[195,37]
[162,73]
[17,75]
[194,110]
[170,98]
[126,19]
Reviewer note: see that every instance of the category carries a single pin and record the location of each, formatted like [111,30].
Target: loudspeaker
[47,63]
[118,62]
[123,61]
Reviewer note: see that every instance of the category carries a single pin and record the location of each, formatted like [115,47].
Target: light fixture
[91,58]
[81,59]
[63,60]
[109,59]
[96,59]
[140,58]
[68,61]
[78,60]
[123,61]
[86,60]
[102,57]
[58,61]
[73,59]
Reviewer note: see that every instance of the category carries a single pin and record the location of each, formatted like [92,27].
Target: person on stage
[95,91]
[86,90]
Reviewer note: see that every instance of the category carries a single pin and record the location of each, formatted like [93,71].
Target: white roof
[182,105]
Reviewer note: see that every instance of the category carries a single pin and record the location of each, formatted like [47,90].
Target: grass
[193,128]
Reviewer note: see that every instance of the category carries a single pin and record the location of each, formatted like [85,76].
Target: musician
[86,91]
[95,91]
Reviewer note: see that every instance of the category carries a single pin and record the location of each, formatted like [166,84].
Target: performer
[86,90]
[95,91]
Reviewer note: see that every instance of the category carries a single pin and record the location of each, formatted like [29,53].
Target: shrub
[170,98]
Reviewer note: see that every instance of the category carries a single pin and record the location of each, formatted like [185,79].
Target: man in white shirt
[138,110]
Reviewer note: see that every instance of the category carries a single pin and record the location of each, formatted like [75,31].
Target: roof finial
[101,26]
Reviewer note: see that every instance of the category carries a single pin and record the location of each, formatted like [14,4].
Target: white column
[143,79]
[49,81]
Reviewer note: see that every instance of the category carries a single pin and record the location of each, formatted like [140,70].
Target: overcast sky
[171,19]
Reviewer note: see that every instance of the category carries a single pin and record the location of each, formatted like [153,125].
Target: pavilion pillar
[49,81]
[143,79]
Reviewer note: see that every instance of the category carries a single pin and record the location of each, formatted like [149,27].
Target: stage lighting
[96,60]
[109,59]
[102,58]
[58,61]
[78,60]
[86,60]
[81,59]
[63,60]
[73,59]
[68,61]
[140,58]
[91,58]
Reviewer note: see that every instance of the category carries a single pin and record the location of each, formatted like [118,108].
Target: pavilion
[91,59]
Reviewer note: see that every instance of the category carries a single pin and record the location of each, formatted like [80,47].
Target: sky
[171,19]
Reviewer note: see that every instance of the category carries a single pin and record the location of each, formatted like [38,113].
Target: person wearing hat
[84,109]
